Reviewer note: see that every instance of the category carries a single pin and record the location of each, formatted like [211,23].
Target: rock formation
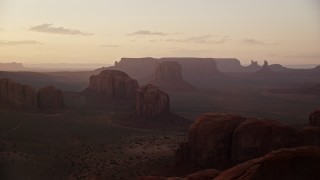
[50,98]
[112,84]
[17,95]
[193,69]
[168,76]
[314,118]
[295,163]
[287,164]
[152,102]
[265,71]
[254,138]
[253,67]
[222,140]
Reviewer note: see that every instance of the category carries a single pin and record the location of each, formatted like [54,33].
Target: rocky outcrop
[295,163]
[168,76]
[222,140]
[17,94]
[207,174]
[314,118]
[253,67]
[254,138]
[112,84]
[50,98]
[210,140]
[152,102]
[265,71]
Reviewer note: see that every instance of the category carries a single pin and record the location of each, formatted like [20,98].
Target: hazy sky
[102,31]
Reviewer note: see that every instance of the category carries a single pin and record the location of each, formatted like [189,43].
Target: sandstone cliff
[222,140]
[50,98]
[168,76]
[152,102]
[17,94]
[112,84]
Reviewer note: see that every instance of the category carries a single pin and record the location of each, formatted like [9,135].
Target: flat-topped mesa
[169,71]
[168,76]
[113,84]
[152,102]
[17,95]
[50,98]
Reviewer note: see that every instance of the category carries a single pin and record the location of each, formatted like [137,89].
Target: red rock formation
[265,71]
[50,98]
[113,84]
[222,140]
[207,174]
[210,140]
[296,163]
[152,102]
[168,76]
[17,95]
[254,138]
[314,118]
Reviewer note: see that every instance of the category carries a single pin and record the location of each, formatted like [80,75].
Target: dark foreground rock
[223,140]
[285,164]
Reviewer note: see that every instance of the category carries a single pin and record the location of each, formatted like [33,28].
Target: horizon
[33,32]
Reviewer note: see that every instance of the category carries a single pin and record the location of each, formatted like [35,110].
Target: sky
[103,31]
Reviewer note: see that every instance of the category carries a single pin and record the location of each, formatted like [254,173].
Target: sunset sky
[102,31]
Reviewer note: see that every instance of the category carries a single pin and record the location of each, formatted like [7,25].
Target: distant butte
[168,76]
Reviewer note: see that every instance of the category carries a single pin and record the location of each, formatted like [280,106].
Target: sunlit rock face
[152,102]
[50,98]
[17,94]
[113,84]
[222,140]
[168,76]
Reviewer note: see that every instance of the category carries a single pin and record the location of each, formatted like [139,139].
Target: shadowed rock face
[168,76]
[113,84]
[17,95]
[50,98]
[287,164]
[222,140]
[265,70]
[314,118]
[254,138]
[152,102]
